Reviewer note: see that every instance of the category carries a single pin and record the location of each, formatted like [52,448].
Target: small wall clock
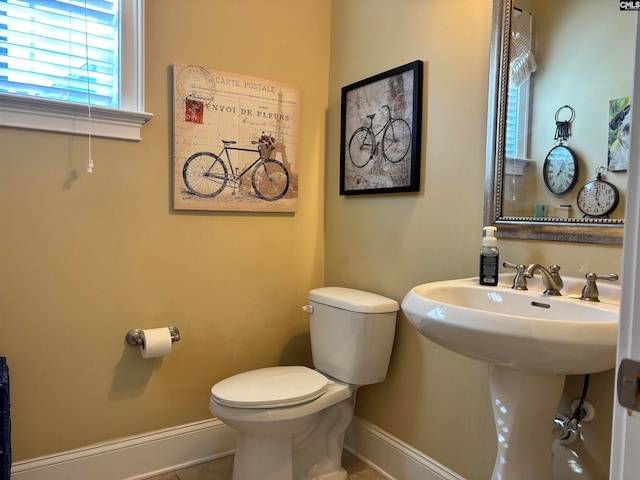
[560,170]
[598,198]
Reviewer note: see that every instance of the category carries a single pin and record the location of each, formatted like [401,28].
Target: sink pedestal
[524,408]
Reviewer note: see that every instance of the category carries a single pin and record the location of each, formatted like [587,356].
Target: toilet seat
[270,387]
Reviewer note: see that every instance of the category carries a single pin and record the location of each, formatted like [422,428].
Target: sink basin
[519,329]
[530,342]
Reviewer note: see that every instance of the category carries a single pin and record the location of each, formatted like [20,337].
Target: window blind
[511,123]
[61,49]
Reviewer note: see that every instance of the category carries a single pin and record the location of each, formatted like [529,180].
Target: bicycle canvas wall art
[380,132]
[235,142]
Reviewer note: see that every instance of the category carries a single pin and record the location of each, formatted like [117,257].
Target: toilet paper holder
[134,338]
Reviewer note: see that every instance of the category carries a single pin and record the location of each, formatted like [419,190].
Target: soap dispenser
[489,257]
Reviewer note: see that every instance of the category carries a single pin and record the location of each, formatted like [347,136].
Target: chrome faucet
[550,278]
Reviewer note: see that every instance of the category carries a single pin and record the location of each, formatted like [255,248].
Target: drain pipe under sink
[565,429]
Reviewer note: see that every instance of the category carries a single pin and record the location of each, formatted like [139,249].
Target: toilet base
[317,453]
[330,469]
[275,462]
[313,453]
[271,453]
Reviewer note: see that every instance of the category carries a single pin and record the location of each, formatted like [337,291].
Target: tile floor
[221,470]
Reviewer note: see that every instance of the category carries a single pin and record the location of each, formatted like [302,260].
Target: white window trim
[19,111]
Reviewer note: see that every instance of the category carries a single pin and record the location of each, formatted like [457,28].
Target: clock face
[598,198]
[560,170]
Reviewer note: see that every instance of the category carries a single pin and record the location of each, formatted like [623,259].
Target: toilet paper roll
[156,342]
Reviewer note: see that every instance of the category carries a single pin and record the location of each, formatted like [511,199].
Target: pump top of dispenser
[489,239]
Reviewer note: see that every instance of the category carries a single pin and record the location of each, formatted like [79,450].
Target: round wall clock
[560,170]
[598,198]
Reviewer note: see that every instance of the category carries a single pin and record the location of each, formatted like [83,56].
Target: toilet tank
[351,333]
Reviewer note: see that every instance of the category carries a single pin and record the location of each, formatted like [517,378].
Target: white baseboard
[134,458]
[391,457]
[154,453]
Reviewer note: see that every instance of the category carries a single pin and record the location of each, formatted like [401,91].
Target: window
[522,64]
[72,66]
[516,133]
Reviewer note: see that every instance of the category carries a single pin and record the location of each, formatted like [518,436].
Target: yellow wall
[433,399]
[83,260]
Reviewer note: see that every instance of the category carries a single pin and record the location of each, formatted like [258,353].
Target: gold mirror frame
[581,230]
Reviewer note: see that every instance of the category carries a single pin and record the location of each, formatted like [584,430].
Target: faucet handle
[554,269]
[519,281]
[590,291]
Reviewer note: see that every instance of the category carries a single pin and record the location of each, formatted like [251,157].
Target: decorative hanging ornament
[563,127]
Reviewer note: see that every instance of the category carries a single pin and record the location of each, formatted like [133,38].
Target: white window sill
[55,116]
[516,166]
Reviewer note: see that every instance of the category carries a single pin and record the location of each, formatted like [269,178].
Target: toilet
[291,420]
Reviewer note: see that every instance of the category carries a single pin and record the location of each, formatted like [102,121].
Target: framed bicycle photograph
[381,132]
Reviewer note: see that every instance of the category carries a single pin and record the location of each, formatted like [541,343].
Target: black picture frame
[380,134]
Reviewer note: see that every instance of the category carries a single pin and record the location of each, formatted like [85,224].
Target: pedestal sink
[531,342]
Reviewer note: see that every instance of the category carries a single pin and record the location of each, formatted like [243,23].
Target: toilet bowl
[270,433]
[291,420]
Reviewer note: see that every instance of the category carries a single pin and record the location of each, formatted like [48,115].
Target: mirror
[567,91]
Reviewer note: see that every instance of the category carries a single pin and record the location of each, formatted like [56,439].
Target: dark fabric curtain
[5,422]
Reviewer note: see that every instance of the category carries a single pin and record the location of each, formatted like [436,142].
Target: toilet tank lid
[353,300]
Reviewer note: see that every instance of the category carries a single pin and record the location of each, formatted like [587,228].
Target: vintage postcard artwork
[235,142]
